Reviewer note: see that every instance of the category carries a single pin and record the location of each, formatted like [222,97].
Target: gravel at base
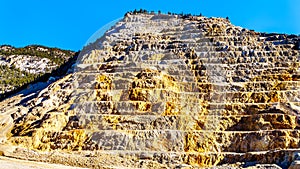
[9,163]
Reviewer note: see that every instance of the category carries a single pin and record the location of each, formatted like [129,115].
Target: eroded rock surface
[167,91]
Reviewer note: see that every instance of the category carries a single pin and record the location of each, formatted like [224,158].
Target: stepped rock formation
[166,91]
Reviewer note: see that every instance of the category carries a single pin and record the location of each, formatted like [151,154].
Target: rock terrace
[167,91]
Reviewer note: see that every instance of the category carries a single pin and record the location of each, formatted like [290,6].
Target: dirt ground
[11,163]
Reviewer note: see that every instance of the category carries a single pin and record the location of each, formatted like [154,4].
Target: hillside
[166,91]
[22,66]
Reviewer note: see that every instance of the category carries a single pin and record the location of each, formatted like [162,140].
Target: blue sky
[68,24]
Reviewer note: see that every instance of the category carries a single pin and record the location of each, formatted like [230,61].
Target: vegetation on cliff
[59,56]
[22,66]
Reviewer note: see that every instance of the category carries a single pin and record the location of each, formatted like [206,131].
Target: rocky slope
[166,91]
[21,66]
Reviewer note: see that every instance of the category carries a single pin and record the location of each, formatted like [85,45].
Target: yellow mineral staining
[56,88]
[139,94]
[171,109]
[79,137]
[103,82]
[274,97]
[274,77]
[157,56]
[203,160]
[199,145]
[280,85]
[112,121]
[42,127]
[36,131]
[216,29]
[283,121]
[103,86]
[169,83]
[154,79]
[199,87]
[258,98]
[201,142]
[143,106]
[6,125]
[102,96]
[45,140]
[152,86]
[37,143]
[226,123]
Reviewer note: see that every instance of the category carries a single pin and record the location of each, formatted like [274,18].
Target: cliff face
[168,91]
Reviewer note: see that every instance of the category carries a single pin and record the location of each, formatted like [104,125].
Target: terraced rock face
[167,91]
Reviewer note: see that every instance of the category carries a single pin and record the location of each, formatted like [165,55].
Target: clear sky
[68,24]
